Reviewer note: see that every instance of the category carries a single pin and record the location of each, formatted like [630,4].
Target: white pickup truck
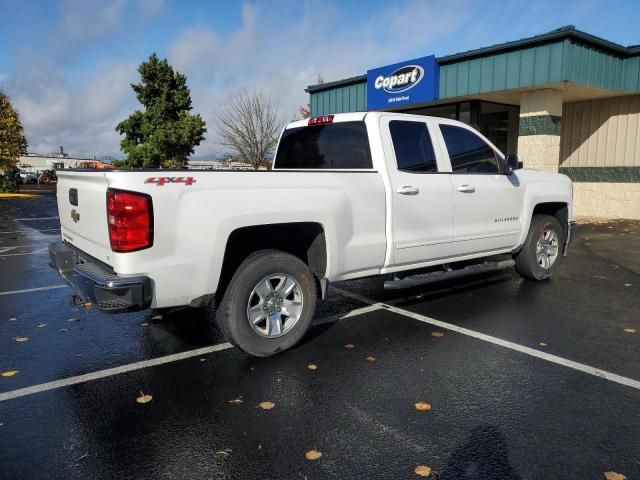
[350,195]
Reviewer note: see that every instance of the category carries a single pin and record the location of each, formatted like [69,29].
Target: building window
[468,152]
[343,145]
[412,146]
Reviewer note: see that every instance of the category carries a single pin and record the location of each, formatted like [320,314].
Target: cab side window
[412,146]
[468,152]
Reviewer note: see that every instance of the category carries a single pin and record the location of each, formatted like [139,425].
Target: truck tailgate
[82,206]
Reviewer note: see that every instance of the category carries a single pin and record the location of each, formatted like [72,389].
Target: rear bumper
[95,282]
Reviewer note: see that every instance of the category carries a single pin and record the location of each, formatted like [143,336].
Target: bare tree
[249,125]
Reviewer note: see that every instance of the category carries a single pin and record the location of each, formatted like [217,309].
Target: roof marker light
[321,120]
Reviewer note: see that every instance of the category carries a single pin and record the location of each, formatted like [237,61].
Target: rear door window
[343,145]
[468,152]
[412,146]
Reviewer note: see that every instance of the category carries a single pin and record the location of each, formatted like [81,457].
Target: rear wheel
[269,304]
[541,253]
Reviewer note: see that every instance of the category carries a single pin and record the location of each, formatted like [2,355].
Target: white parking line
[612,377]
[39,289]
[33,218]
[65,382]
[43,387]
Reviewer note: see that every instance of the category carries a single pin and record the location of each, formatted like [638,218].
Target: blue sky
[67,64]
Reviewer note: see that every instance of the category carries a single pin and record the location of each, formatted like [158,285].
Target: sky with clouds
[67,64]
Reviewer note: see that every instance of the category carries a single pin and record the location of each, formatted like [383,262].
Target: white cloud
[283,58]
[266,52]
[84,20]
[81,115]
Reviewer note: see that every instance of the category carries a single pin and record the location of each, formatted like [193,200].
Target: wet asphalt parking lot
[525,380]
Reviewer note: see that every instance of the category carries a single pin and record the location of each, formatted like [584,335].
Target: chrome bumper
[96,283]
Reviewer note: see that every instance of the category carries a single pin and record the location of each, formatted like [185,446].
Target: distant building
[34,162]
[219,165]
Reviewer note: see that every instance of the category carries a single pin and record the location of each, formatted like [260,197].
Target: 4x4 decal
[160,181]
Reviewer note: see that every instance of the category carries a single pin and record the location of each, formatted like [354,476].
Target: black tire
[527,264]
[232,315]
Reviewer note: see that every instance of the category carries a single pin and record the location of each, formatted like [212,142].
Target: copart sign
[413,81]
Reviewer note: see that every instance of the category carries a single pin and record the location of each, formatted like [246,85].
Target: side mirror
[512,163]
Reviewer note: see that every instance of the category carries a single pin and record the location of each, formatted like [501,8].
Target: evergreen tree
[164,134]
[12,140]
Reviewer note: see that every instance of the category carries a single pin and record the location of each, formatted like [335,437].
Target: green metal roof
[568,32]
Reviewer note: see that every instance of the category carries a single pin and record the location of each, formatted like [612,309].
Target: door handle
[408,190]
[466,188]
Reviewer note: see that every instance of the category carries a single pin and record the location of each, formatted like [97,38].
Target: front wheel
[269,304]
[541,253]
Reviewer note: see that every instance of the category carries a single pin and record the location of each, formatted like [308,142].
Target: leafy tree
[165,133]
[12,140]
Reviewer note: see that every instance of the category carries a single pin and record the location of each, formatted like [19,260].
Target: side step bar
[426,278]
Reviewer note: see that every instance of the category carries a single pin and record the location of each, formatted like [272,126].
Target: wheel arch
[305,240]
[558,208]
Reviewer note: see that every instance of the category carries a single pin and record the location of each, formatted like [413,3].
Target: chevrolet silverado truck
[349,196]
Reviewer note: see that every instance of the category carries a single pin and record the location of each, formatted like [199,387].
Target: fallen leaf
[41,325]
[87,305]
[628,284]
[144,398]
[10,373]
[437,334]
[72,320]
[312,366]
[12,319]
[226,452]
[22,339]
[614,476]
[203,359]
[542,344]
[64,330]
[630,330]
[313,455]
[349,346]
[423,471]
[266,405]
[236,401]
[599,276]
[423,407]
[371,359]
[144,324]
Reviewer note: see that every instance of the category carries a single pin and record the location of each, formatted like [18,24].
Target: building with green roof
[565,101]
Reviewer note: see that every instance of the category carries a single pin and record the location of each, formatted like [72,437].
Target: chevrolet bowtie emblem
[75,216]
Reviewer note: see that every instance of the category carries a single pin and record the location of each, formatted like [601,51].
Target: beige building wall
[601,133]
[539,135]
[600,150]
[607,200]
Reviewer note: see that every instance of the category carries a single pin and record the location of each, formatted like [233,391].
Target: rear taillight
[320,120]
[130,217]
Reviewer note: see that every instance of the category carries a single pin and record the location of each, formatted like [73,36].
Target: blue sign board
[413,81]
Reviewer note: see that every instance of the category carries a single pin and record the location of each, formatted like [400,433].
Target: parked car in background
[28,177]
[350,195]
